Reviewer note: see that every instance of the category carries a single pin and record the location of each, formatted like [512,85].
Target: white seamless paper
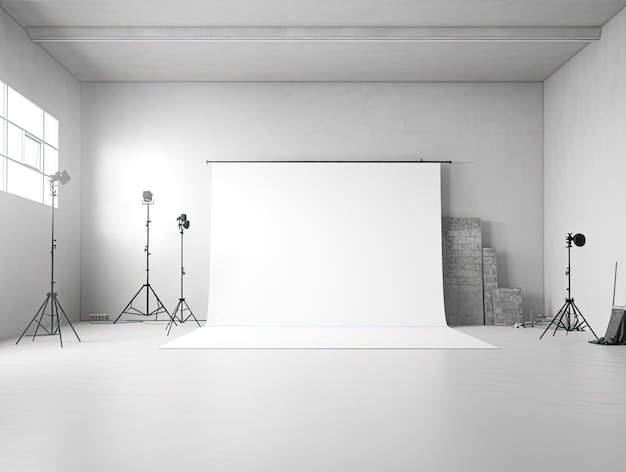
[326,244]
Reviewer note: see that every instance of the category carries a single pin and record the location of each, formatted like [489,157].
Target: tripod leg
[580,319]
[559,315]
[572,314]
[43,312]
[160,306]
[178,311]
[191,313]
[565,324]
[170,323]
[42,309]
[129,304]
[54,310]
[581,326]
[566,313]
[59,307]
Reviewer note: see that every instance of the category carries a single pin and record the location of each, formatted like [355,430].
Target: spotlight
[61,176]
[183,222]
[578,239]
[147,196]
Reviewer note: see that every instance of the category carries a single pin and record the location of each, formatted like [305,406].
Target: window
[29,141]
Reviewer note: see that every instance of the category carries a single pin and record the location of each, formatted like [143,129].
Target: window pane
[2,167]
[2,140]
[25,113]
[50,161]
[15,140]
[51,130]
[3,91]
[32,152]
[24,182]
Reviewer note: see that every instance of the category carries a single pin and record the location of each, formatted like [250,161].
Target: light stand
[51,298]
[183,224]
[160,308]
[569,317]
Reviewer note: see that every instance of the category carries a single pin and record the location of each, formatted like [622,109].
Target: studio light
[578,239]
[183,222]
[160,308]
[51,306]
[61,176]
[179,312]
[569,317]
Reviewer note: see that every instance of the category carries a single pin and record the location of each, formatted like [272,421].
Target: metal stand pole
[51,297]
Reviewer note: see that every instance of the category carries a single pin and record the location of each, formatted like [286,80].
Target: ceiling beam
[310,34]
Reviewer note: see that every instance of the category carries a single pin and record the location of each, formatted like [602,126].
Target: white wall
[585,171]
[157,136]
[25,226]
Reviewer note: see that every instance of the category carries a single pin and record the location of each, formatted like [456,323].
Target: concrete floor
[115,402]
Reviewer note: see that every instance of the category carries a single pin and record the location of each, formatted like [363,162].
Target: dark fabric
[616,331]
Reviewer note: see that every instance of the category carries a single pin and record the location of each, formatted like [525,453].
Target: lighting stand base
[569,318]
[180,311]
[160,308]
[54,327]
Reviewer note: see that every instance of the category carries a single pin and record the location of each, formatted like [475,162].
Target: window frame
[32,149]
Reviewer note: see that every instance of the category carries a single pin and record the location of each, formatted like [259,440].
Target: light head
[61,176]
[578,239]
[183,222]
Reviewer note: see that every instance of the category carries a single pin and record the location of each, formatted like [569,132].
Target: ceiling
[312,40]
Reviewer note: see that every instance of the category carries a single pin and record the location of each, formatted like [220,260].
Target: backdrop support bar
[421,161]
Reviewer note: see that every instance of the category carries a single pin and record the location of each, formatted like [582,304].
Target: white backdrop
[339,244]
